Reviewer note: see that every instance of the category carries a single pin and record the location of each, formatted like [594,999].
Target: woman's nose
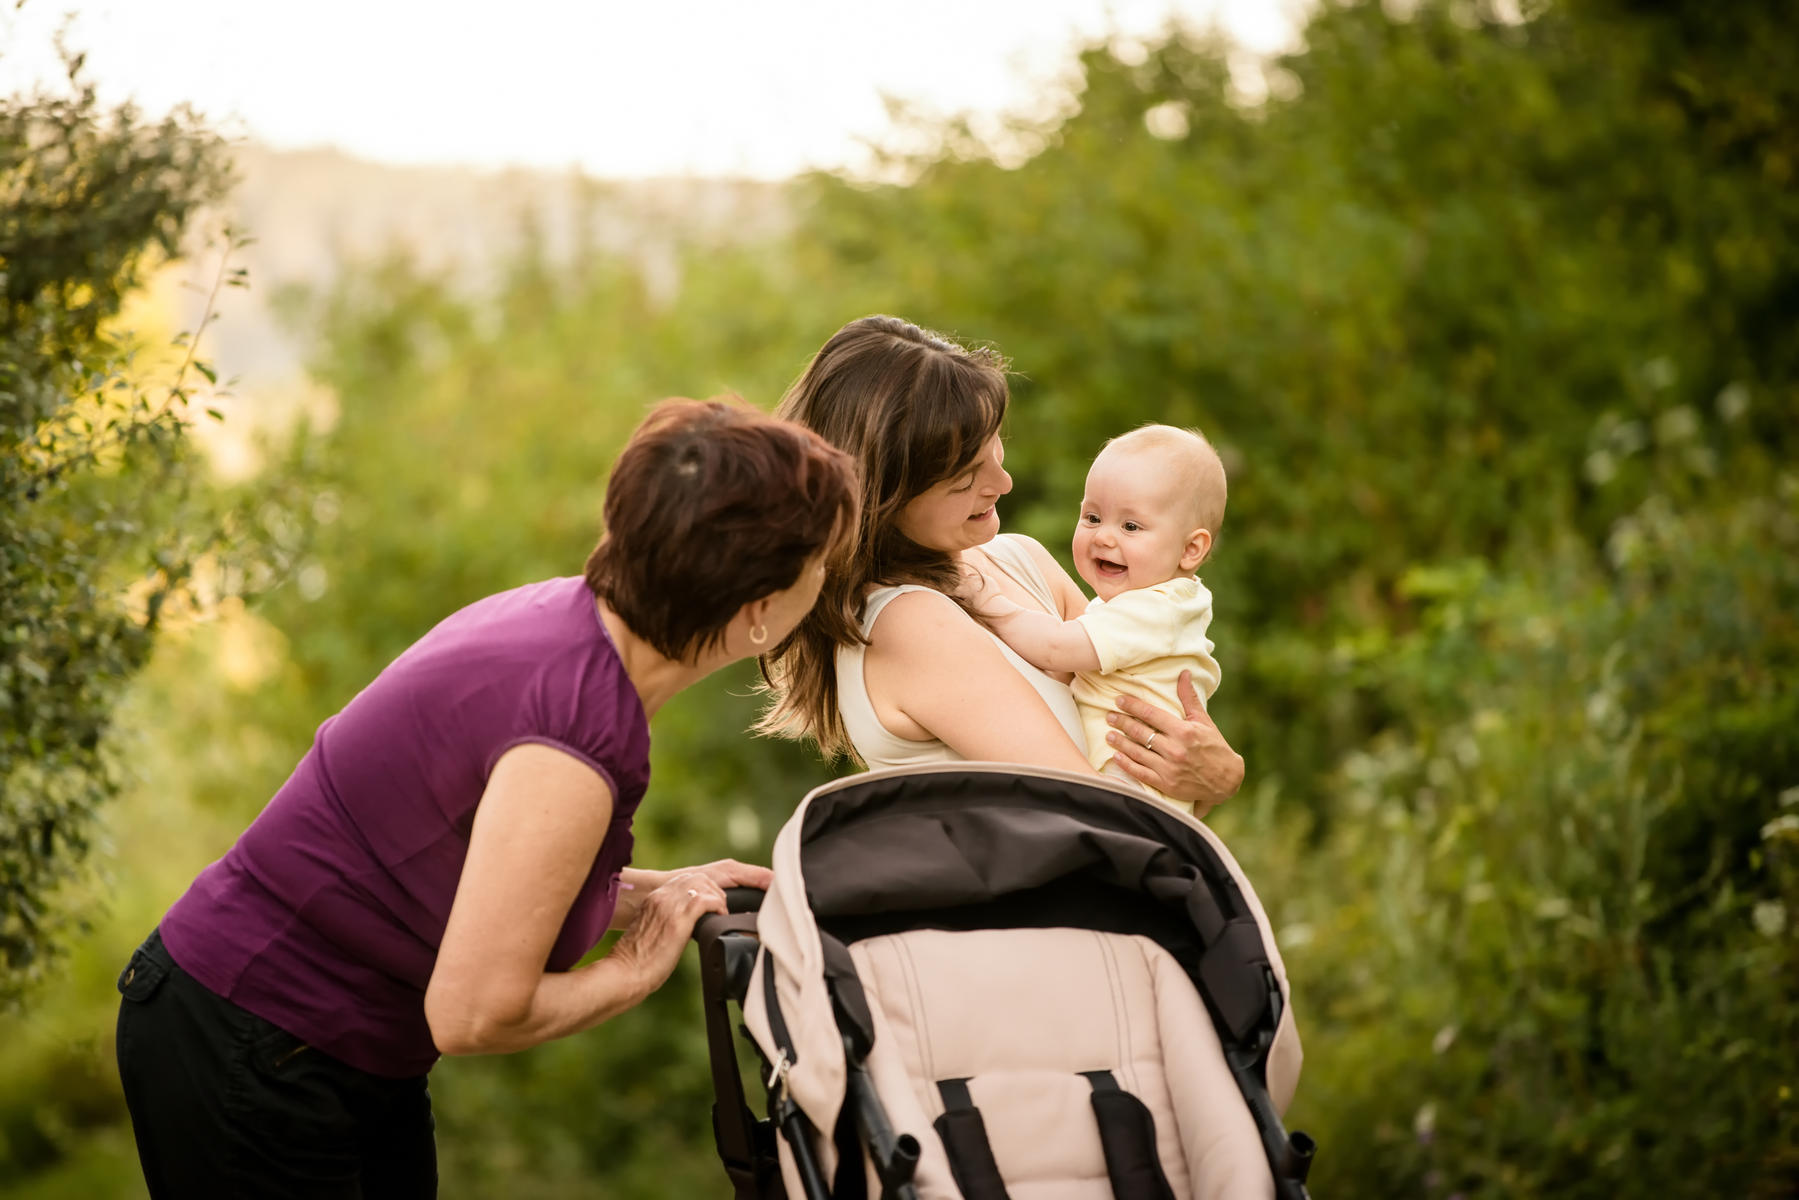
[1002,483]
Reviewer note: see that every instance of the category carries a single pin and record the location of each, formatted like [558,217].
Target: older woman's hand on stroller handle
[730,874]
[1185,757]
[739,901]
[652,943]
[639,884]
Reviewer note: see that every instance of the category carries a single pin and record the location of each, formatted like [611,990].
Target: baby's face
[1135,527]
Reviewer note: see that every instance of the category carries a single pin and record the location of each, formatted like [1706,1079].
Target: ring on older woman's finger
[1151,739]
[692,892]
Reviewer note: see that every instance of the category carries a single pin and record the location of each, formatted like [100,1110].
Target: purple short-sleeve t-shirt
[326,916]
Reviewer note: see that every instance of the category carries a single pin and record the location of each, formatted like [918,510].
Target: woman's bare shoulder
[916,611]
[925,632]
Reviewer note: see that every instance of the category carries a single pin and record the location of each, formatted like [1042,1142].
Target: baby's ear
[1199,546]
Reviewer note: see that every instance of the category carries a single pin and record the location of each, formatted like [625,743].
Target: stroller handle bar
[739,901]
[744,899]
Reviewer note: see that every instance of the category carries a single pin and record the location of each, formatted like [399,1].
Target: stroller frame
[728,950]
[1189,895]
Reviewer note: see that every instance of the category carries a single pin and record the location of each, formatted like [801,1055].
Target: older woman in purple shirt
[458,836]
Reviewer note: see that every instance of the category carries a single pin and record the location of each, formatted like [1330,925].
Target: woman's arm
[1186,758]
[536,833]
[933,673]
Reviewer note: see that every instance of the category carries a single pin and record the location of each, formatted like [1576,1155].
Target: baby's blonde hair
[1195,461]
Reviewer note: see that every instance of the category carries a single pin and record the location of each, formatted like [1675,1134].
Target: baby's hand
[981,597]
[970,586]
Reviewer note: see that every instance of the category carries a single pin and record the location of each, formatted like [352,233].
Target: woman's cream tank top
[881,748]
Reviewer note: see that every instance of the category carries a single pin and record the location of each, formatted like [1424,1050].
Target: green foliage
[96,474]
[1561,891]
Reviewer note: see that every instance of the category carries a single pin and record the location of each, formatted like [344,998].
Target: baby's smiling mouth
[1106,566]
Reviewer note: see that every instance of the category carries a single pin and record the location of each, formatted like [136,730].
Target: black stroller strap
[849,1003]
[777,1022]
[1238,979]
[1127,1134]
[964,1137]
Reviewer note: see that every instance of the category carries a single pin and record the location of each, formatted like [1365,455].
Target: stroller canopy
[994,863]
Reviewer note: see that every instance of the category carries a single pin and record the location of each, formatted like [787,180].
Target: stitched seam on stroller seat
[1156,1052]
[1121,1017]
[927,1058]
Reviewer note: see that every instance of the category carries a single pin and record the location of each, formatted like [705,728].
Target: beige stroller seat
[973,982]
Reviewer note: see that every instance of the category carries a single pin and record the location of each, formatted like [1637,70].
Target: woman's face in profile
[959,512]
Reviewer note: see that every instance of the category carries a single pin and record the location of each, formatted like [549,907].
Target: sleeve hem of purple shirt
[552,743]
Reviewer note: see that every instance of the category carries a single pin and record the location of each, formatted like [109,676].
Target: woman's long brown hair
[912,409]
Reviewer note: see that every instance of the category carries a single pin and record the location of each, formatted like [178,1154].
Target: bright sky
[645,87]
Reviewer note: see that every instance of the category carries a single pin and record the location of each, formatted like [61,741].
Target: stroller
[985,982]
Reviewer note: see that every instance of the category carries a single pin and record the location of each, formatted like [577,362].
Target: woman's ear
[1199,545]
[755,613]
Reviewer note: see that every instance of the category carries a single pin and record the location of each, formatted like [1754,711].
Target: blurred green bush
[1547,948]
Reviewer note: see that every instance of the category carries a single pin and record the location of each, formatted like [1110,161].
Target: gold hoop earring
[758,635]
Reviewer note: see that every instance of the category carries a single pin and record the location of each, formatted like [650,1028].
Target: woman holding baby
[897,664]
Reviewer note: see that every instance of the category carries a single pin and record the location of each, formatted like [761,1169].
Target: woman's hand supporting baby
[1185,757]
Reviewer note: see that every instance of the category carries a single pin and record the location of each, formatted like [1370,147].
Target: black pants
[225,1104]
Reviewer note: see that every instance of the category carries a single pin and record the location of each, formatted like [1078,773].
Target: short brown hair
[712,505]
[913,409]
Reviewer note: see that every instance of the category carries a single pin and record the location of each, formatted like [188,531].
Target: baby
[1154,502]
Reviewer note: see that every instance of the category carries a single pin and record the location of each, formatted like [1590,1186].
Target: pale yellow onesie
[1145,638]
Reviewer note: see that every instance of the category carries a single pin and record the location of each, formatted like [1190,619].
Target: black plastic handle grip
[744,899]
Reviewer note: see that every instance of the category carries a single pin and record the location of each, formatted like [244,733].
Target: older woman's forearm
[492,1012]
[562,1003]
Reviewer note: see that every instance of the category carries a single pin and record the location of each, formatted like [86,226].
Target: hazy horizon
[700,89]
